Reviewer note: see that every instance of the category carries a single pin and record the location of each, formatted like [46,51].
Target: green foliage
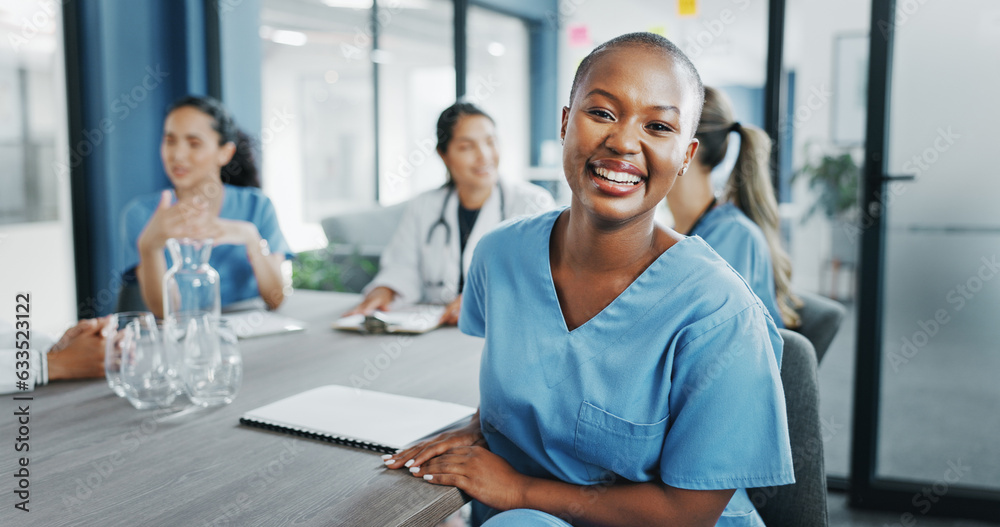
[836,179]
[331,269]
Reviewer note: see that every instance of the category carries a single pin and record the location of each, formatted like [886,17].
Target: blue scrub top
[676,380]
[741,243]
[236,279]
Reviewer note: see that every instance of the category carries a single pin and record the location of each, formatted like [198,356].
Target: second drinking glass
[146,373]
[116,343]
[210,363]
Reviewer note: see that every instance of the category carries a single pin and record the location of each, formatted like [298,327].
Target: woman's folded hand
[481,474]
[416,455]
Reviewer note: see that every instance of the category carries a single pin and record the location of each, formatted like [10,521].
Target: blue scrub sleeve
[472,318]
[525,518]
[727,410]
[266,221]
[751,259]
[133,220]
[736,247]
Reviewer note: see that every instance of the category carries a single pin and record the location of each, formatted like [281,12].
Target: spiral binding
[346,441]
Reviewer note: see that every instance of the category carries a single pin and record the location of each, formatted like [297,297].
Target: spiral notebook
[376,421]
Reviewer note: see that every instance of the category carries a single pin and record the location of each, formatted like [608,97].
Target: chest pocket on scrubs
[631,450]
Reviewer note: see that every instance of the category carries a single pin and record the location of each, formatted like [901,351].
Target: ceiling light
[350,4]
[291,38]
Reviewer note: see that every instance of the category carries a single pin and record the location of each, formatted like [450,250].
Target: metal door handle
[900,177]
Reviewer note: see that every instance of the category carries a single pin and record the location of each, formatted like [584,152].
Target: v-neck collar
[554,295]
[559,352]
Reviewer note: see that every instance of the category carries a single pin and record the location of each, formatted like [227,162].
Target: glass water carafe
[191,285]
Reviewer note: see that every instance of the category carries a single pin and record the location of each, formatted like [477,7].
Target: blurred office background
[342,97]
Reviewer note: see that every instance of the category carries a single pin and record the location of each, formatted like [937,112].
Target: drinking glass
[116,343]
[172,351]
[212,367]
[148,379]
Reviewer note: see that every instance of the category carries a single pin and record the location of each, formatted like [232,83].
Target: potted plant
[835,179]
[335,268]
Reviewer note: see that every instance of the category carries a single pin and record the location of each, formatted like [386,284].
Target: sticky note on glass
[687,7]
[579,35]
[658,30]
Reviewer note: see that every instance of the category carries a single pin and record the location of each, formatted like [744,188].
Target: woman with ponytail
[216,194]
[742,225]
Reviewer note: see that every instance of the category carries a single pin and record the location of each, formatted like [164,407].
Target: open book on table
[419,318]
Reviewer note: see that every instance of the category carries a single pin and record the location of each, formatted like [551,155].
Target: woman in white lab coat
[428,256]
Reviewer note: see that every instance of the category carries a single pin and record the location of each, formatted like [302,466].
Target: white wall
[726,40]
[37,258]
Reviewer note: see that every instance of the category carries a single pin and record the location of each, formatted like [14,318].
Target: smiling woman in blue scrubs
[742,226]
[629,376]
[216,195]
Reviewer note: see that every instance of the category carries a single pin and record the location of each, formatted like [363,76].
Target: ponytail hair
[241,171]
[749,187]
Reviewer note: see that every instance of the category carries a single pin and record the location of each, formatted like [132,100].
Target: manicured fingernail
[389,462]
[414,469]
[387,456]
[408,463]
[428,477]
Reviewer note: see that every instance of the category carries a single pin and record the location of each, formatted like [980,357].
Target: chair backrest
[821,318]
[368,230]
[802,504]
[130,297]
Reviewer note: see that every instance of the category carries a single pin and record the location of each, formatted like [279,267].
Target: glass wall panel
[822,128]
[416,61]
[318,113]
[36,245]
[941,340]
[28,117]
[497,81]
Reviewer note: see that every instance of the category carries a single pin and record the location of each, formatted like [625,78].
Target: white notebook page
[250,324]
[381,418]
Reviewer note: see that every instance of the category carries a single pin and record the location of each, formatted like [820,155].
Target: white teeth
[617,177]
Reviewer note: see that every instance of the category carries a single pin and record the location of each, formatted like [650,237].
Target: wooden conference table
[95,460]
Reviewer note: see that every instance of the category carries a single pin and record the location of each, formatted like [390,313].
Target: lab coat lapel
[453,249]
[489,217]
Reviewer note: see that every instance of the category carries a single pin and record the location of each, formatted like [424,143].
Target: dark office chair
[130,297]
[821,318]
[802,504]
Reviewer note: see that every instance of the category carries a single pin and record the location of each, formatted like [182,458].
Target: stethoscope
[447,233]
[444,207]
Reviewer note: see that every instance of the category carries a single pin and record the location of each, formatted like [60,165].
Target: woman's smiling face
[629,131]
[472,156]
[190,149]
